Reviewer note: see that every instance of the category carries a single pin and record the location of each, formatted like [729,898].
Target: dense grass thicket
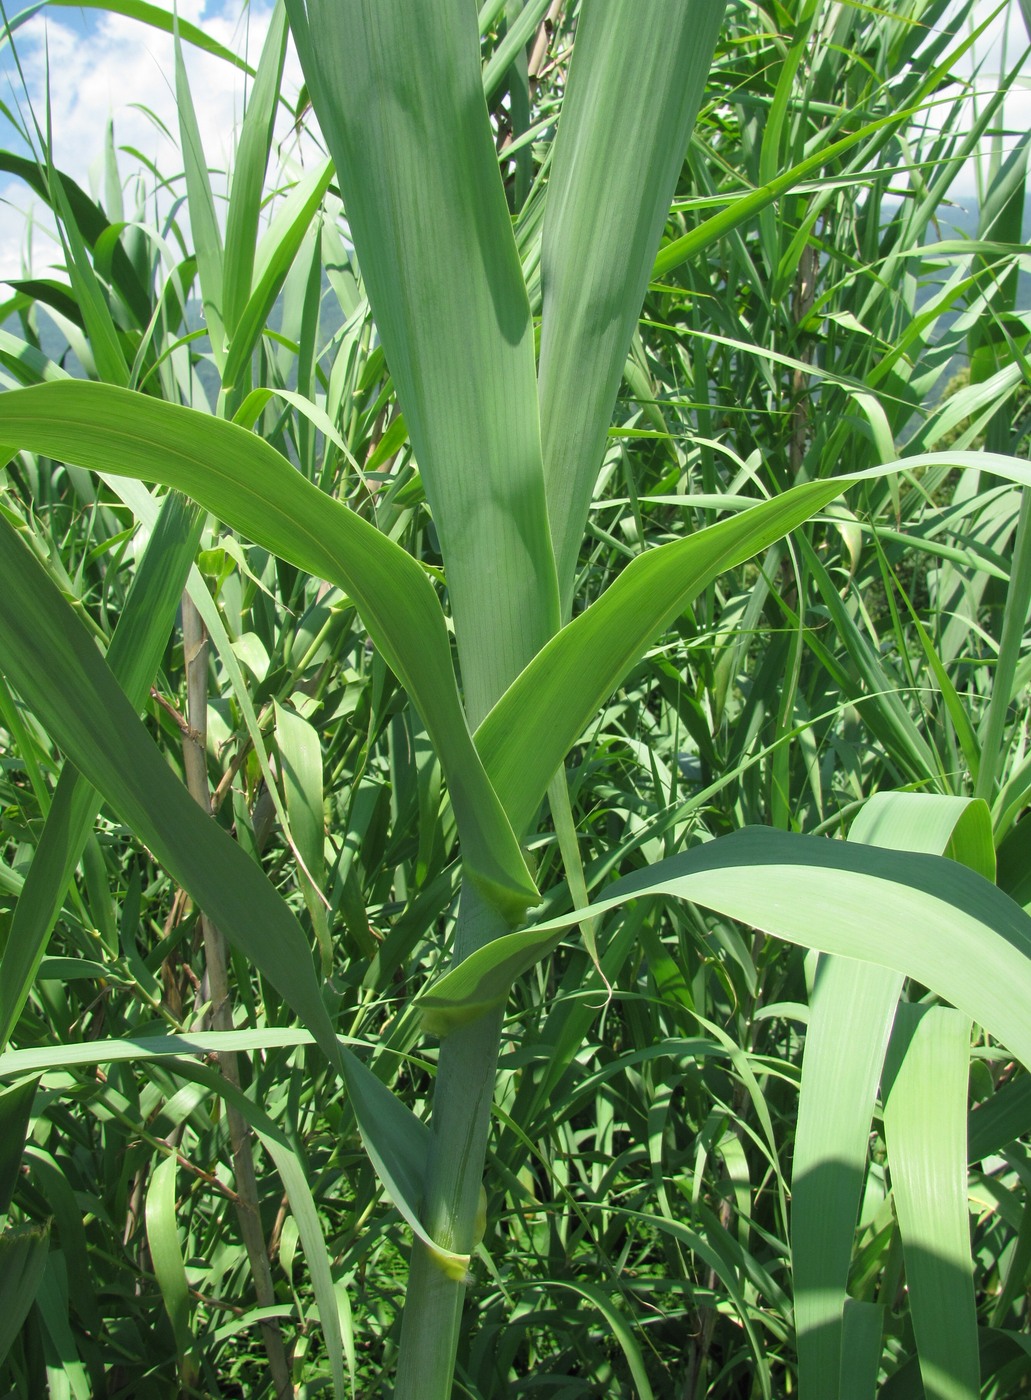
[663,403]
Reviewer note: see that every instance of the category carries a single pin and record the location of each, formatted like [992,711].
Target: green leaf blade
[399,95]
[134,655]
[635,86]
[919,915]
[851,1015]
[52,660]
[925,1122]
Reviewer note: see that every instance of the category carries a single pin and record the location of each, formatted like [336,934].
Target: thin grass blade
[1011,642]
[275,254]
[247,189]
[204,224]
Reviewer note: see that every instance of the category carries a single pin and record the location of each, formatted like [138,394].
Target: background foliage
[640,1174]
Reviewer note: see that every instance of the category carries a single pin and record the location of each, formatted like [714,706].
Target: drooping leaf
[51,659]
[921,915]
[850,1018]
[146,13]
[136,647]
[91,221]
[249,485]
[48,654]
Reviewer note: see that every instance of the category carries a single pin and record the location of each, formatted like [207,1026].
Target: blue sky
[105,68]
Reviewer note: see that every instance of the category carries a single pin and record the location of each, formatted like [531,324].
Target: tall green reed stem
[462,1101]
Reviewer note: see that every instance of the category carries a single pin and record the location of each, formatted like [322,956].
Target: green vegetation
[515,822]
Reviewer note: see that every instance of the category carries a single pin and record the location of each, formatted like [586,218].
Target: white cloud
[981,71]
[1003,42]
[115,69]
[107,67]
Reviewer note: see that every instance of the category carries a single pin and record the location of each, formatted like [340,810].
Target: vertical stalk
[195,652]
[462,1100]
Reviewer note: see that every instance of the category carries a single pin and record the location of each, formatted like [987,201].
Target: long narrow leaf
[851,1015]
[398,92]
[249,485]
[560,690]
[275,254]
[15,1113]
[51,659]
[543,713]
[23,1257]
[167,1257]
[925,1124]
[204,225]
[863,1324]
[153,15]
[136,647]
[252,154]
[635,85]
[923,916]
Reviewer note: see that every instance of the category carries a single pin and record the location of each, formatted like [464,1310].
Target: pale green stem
[462,1100]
